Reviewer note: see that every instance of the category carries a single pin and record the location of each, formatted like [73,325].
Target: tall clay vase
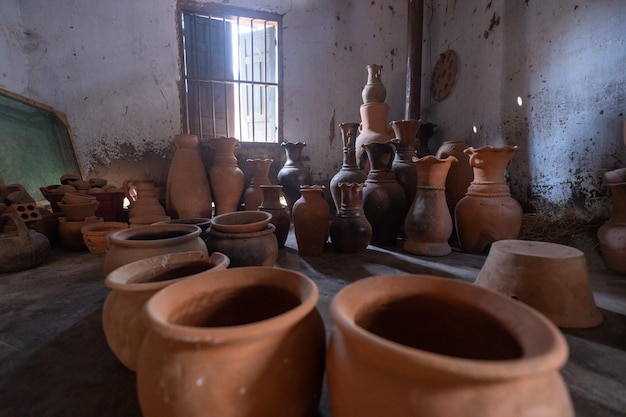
[461,173]
[133,284]
[226,178]
[487,213]
[187,193]
[280,216]
[350,172]
[311,217]
[383,197]
[243,342]
[294,173]
[253,195]
[373,128]
[350,231]
[428,224]
[403,166]
[485,354]
[374,91]
[612,234]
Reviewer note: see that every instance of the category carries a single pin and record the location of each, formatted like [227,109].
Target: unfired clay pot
[135,243]
[424,346]
[133,284]
[244,342]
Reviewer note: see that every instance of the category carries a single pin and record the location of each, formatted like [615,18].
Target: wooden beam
[415,29]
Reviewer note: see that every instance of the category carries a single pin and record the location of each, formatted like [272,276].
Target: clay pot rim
[544,353]
[503,148]
[177,295]
[102,228]
[132,276]
[121,237]
[241,221]
[269,228]
[196,221]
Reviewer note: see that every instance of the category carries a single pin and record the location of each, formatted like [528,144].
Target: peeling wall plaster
[567,62]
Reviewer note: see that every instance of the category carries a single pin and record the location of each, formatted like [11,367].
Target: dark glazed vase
[487,213]
[428,224]
[612,234]
[350,171]
[280,216]
[403,165]
[383,197]
[293,174]
[349,230]
[311,217]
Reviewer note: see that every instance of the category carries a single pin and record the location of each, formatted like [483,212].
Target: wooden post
[415,29]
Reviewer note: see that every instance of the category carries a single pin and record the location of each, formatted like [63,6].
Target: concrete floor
[54,360]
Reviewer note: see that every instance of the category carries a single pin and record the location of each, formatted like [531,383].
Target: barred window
[231,74]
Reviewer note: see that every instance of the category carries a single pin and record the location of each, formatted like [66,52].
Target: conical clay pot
[248,342]
[423,346]
[133,284]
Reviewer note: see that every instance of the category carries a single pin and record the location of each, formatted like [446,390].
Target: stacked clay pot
[79,210]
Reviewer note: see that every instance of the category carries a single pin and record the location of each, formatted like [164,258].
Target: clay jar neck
[380,155]
[271,196]
[374,73]
[225,150]
[260,169]
[489,163]
[351,199]
[312,192]
[432,171]
[186,141]
[406,133]
[374,117]
[293,153]
[348,136]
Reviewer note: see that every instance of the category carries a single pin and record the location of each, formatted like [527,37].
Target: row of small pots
[250,341]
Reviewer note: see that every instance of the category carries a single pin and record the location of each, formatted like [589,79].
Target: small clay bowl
[95,235]
[78,212]
[67,179]
[77,198]
[241,221]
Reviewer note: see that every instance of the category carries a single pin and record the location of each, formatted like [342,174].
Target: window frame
[222,10]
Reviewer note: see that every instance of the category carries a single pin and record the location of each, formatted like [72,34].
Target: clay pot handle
[22,230]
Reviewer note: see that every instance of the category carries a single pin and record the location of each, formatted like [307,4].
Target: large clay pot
[350,172]
[248,342]
[143,196]
[417,345]
[226,178]
[350,231]
[460,175]
[428,224]
[311,216]
[253,195]
[135,243]
[23,249]
[383,197]
[133,284]
[487,213]
[612,234]
[187,193]
[280,216]
[294,173]
[403,166]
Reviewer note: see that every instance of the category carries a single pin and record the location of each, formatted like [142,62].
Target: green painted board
[35,144]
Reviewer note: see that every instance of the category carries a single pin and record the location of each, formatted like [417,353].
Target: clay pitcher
[612,234]
[487,213]
[226,178]
[311,216]
[350,172]
[143,196]
[253,196]
[294,173]
[187,192]
[428,224]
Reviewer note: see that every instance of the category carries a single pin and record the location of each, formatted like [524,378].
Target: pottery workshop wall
[566,61]
[113,68]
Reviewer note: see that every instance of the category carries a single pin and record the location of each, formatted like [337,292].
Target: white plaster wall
[15,44]
[567,61]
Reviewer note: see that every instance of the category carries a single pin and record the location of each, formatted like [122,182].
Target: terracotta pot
[95,235]
[487,213]
[70,235]
[143,196]
[350,172]
[80,211]
[403,166]
[23,249]
[374,91]
[612,234]
[349,230]
[383,197]
[311,216]
[135,243]
[428,224]
[245,248]
[133,284]
[187,173]
[280,216]
[460,175]
[253,196]
[241,221]
[202,222]
[226,178]
[140,221]
[248,342]
[373,128]
[476,350]
[294,173]
[549,277]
